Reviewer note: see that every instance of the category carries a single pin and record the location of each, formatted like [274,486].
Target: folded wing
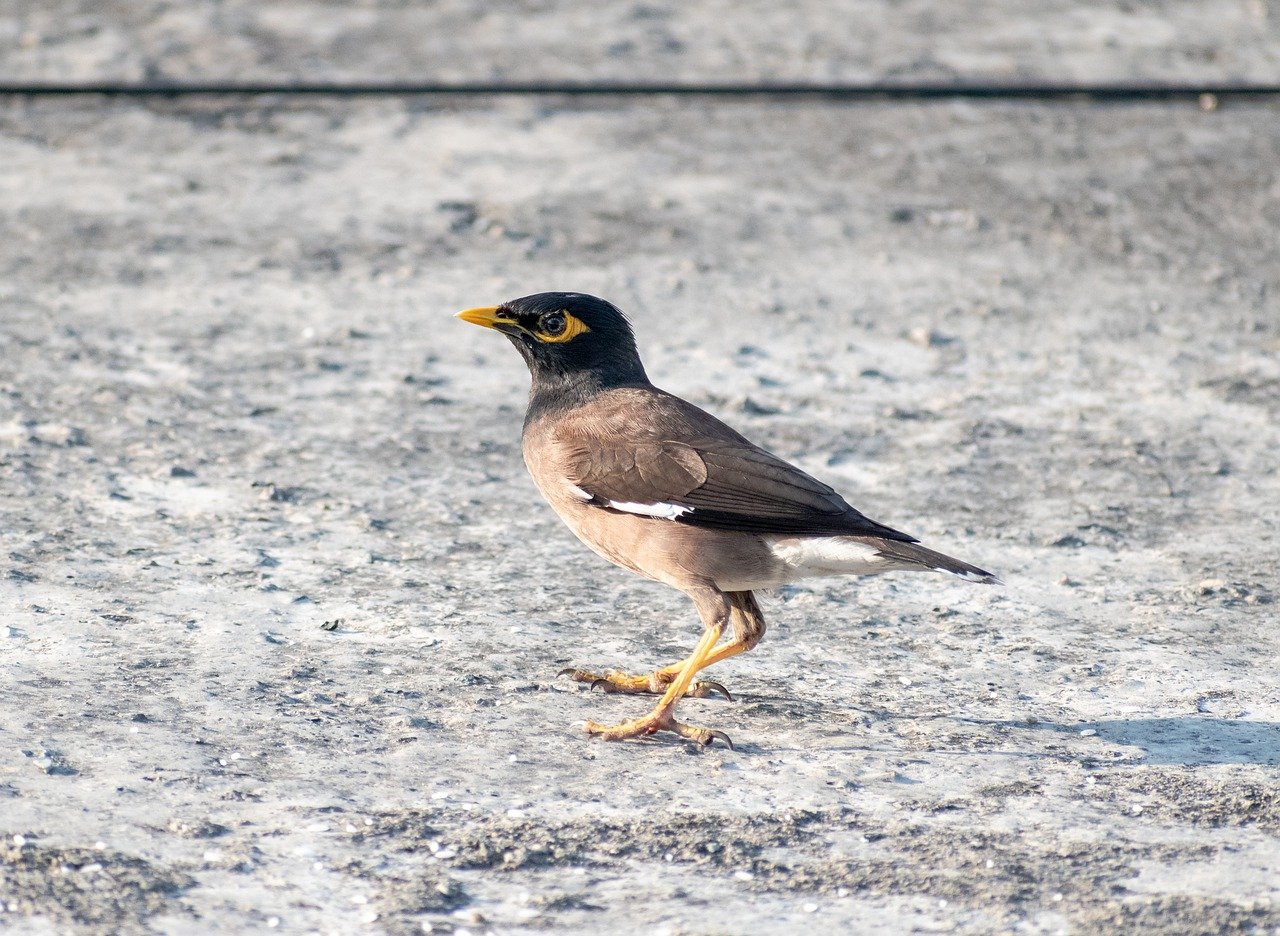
[703,473]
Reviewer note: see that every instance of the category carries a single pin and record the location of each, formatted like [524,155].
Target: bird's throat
[556,392]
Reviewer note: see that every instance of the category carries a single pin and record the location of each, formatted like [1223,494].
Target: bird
[660,487]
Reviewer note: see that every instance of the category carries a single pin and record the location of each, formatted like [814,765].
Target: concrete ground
[281,614]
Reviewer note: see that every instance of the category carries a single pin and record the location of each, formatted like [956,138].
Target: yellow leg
[748,628]
[661,718]
[730,649]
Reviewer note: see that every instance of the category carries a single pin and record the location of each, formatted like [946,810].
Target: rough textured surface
[653,40]
[280,614]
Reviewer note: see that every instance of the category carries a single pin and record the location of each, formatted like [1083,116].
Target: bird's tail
[915,556]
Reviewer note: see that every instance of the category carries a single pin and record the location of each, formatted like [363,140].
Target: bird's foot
[654,684]
[660,719]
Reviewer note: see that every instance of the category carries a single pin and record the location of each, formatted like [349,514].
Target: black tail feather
[913,554]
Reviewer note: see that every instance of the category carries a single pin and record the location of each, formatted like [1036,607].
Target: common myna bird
[658,486]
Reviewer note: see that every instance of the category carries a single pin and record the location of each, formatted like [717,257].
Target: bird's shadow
[1189,741]
[1186,741]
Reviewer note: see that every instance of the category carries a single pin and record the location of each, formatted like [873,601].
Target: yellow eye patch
[559,327]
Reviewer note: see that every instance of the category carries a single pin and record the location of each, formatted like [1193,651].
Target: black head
[567,338]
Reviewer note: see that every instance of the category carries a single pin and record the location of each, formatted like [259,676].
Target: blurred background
[273,652]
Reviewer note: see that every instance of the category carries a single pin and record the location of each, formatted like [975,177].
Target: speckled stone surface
[280,613]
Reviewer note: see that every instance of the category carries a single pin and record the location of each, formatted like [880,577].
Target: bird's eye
[552,324]
[558,327]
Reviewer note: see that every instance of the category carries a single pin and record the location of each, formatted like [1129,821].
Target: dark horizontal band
[851,92]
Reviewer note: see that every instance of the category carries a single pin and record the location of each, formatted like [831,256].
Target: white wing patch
[662,511]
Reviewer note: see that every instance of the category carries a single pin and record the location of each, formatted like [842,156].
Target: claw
[713,734]
[602,683]
[704,688]
[703,736]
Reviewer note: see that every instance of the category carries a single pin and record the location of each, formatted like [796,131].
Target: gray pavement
[280,613]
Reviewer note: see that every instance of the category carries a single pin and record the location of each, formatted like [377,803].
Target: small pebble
[928,338]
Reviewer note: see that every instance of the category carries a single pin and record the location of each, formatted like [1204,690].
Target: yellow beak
[484,315]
